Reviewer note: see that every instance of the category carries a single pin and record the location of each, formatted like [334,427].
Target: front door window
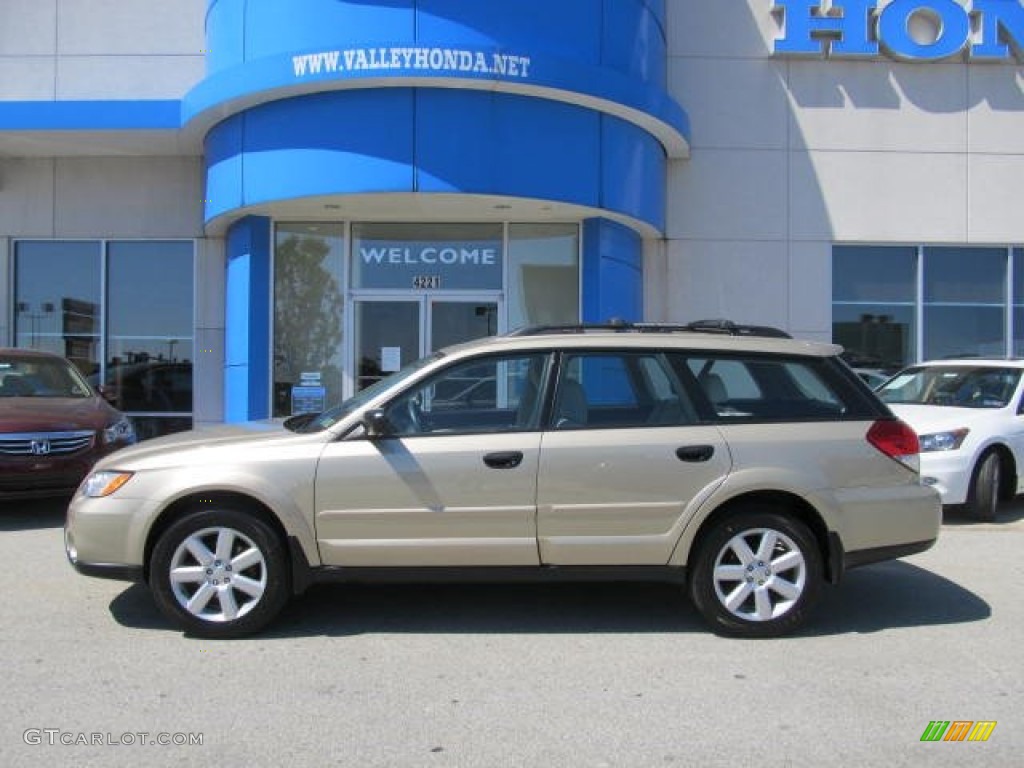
[493,394]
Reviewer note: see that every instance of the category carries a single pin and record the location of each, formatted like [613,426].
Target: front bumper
[118,571]
[949,473]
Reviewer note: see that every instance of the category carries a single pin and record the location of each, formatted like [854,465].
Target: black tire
[775,594]
[240,593]
[983,495]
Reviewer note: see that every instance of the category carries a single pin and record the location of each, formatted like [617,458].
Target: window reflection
[876,274]
[308,314]
[965,275]
[875,336]
[963,304]
[57,300]
[61,302]
[1018,302]
[874,292]
[148,370]
[964,331]
[543,282]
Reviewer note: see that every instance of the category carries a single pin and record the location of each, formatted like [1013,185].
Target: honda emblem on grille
[40,447]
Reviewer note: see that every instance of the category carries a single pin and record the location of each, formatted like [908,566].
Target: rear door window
[619,389]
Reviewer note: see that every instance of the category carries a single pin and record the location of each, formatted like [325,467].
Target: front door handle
[504,459]
[695,453]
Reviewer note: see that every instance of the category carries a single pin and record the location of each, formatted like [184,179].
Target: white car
[969,418]
[873,377]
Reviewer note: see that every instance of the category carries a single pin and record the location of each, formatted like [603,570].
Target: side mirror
[376,424]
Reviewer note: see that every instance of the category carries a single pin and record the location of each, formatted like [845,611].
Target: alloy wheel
[759,574]
[218,574]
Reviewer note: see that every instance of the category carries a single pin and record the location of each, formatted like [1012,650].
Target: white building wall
[791,156]
[128,197]
[95,197]
[100,49]
[208,367]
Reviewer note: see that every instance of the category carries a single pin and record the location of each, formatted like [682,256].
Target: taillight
[897,441]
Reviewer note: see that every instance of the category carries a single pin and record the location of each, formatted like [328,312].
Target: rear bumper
[840,561]
[884,520]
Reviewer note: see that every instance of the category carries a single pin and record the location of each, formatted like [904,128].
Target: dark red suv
[53,425]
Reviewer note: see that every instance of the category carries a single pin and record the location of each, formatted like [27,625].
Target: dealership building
[232,209]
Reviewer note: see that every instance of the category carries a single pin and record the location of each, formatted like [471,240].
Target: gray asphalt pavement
[572,675]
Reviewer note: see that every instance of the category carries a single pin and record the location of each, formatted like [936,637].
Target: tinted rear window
[761,388]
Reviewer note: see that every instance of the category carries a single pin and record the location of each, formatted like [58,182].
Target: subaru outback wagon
[752,470]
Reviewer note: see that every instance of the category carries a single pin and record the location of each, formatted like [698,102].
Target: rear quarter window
[768,388]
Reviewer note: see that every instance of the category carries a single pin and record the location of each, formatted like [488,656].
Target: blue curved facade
[529,100]
[420,140]
[563,102]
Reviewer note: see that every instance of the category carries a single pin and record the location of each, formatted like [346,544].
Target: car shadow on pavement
[870,599]
[135,608]
[33,514]
[1009,512]
[894,594]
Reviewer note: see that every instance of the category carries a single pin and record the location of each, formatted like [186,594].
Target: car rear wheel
[219,573]
[757,573]
[983,500]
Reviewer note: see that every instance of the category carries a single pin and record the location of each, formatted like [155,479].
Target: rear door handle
[695,453]
[504,459]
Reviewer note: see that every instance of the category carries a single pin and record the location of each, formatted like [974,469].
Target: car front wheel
[219,573]
[983,500]
[757,573]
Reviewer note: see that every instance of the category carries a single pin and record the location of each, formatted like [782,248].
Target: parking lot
[573,675]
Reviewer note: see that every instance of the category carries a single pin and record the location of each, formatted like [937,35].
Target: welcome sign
[403,264]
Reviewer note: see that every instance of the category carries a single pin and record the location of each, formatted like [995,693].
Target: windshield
[332,416]
[40,377]
[961,386]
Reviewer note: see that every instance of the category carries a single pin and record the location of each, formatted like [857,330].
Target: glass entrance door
[391,332]
[387,335]
[452,322]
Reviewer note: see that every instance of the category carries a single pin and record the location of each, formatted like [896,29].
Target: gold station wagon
[750,469]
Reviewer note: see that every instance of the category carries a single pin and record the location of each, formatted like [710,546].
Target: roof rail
[725,327]
[735,329]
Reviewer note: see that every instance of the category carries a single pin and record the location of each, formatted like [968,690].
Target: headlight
[120,431]
[943,441]
[104,483]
